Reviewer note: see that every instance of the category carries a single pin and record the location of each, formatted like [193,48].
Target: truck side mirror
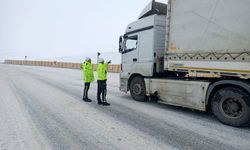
[120,44]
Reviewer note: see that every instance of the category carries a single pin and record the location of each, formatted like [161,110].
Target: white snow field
[41,108]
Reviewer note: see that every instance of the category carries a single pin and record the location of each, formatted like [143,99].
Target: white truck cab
[144,44]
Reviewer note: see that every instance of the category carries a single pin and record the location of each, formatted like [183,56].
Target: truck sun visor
[154,8]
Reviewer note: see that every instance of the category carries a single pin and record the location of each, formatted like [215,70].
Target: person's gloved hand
[109,62]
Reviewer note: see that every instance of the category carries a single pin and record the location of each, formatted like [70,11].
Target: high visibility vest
[102,71]
[88,74]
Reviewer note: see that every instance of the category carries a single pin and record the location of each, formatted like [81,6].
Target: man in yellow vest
[102,82]
[88,75]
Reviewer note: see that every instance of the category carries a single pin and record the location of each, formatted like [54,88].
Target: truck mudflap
[190,94]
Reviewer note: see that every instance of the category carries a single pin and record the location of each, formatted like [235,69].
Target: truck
[193,54]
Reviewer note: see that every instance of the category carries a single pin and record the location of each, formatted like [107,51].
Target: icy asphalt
[41,108]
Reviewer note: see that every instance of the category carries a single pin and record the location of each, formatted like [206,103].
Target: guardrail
[111,68]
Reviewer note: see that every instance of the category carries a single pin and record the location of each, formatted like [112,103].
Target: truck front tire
[230,107]
[138,89]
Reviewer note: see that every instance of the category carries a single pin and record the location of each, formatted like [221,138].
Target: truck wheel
[230,107]
[138,89]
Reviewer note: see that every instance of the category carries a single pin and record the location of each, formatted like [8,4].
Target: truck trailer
[193,54]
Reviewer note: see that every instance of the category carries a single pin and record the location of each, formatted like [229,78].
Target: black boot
[106,104]
[83,98]
[100,103]
[86,99]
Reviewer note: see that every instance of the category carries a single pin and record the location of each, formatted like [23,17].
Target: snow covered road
[41,108]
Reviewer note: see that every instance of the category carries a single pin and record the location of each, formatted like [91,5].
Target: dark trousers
[86,90]
[101,90]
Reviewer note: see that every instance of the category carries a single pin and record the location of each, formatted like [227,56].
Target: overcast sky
[53,28]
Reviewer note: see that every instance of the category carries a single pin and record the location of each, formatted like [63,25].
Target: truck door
[129,54]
